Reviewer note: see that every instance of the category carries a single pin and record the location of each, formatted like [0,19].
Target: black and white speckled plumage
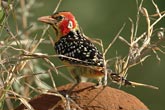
[80,49]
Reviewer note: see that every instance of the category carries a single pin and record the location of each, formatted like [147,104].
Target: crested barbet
[77,51]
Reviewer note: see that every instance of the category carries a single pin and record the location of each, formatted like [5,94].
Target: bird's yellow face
[62,22]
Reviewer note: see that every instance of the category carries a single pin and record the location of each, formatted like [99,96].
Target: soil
[86,96]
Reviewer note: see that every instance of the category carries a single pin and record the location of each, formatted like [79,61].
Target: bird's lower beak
[46,19]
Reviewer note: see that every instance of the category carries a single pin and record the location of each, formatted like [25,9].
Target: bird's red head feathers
[63,22]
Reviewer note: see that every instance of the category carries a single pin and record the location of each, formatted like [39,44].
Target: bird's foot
[99,84]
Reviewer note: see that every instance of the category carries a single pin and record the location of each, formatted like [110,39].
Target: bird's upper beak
[46,19]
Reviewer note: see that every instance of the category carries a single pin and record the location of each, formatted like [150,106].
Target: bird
[77,51]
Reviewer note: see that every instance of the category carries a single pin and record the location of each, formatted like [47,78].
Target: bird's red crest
[68,23]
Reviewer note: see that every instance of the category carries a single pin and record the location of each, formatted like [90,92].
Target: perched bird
[81,56]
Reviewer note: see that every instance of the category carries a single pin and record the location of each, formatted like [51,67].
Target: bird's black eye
[58,18]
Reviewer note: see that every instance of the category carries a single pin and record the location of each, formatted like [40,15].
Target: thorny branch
[141,46]
[10,69]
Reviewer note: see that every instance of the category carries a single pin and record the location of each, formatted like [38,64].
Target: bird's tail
[116,78]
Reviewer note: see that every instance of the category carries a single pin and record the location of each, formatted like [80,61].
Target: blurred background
[103,19]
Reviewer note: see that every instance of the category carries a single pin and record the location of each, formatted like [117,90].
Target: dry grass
[19,59]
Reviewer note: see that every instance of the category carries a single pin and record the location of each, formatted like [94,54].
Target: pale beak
[46,19]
